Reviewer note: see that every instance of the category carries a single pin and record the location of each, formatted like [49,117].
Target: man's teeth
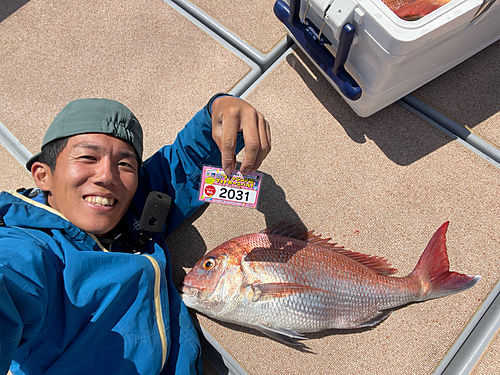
[100,201]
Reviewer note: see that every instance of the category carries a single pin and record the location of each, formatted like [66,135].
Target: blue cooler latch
[311,40]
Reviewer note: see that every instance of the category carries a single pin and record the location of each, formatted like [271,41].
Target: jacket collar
[21,211]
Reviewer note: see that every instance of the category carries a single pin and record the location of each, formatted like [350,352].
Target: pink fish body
[285,282]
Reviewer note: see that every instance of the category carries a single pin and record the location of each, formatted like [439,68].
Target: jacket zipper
[157,298]
[159,315]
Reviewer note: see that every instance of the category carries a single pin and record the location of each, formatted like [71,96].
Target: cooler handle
[483,8]
[333,67]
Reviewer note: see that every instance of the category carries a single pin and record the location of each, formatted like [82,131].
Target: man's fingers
[230,125]
[265,143]
[232,115]
[257,144]
[252,140]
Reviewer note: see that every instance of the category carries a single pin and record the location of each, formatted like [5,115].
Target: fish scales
[284,282]
[343,284]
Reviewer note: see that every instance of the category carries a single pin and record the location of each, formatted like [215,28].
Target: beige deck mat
[253,21]
[14,175]
[469,94]
[380,185]
[140,52]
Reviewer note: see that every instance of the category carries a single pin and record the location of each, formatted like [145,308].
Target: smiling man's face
[93,183]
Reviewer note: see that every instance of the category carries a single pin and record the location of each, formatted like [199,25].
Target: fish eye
[208,264]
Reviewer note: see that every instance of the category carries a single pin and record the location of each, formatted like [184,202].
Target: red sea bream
[412,10]
[285,281]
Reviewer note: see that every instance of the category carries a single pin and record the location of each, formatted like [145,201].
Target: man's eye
[87,157]
[126,164]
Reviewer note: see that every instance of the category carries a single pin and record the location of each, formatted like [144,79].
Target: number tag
[237,190]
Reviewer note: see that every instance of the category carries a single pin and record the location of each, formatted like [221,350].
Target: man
[83,290]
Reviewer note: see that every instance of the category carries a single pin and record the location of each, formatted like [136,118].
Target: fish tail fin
[433,270]
[417,9]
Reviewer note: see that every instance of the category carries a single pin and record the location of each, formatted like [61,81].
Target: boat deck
[380,185]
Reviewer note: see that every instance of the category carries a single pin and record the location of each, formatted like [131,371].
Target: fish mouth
[188,290]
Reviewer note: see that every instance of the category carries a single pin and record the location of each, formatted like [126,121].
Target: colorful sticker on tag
[237,190]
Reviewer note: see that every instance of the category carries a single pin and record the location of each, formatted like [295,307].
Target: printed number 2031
[233,194]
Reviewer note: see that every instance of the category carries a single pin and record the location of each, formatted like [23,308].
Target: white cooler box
[372,57]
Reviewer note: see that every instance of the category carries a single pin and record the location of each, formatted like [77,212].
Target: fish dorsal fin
[378,264]
[294,230]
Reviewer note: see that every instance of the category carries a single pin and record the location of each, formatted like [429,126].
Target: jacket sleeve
[11,326]
[23,297]
[176,169]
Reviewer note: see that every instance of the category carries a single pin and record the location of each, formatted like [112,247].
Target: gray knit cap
[94,116]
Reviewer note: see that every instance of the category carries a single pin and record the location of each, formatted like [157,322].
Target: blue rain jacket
[69,306]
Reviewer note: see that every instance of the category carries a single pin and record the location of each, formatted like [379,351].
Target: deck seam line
[452,129]
[468,349]
[14,146]
[263,60]
[255,69]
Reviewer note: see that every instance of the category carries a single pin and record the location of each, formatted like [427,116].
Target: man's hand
[231,115]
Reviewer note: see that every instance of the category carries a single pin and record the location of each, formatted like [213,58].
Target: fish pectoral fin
[284,335]
[376,319]
[278,290]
